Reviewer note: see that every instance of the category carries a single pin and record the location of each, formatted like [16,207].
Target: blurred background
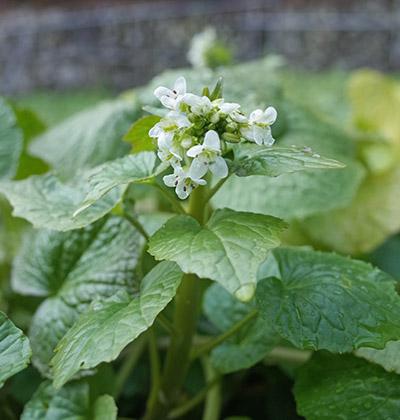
[118,44]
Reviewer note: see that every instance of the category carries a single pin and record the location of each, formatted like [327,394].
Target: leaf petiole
[214,342]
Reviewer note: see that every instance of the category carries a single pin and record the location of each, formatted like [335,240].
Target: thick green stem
[186,314]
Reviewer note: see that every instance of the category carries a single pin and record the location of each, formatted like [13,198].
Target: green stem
[155,368]
[136,224]
[166,324]
[214,342]
[287,355]
[190,404]
[187,302]
[135,351]
[216,188]
[170,197]
[212,407]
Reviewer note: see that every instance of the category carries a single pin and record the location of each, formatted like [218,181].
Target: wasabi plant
[145,297]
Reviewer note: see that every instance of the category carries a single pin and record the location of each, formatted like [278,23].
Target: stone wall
[122,44]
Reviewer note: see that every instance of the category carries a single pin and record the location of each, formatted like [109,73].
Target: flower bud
[231,127]
[214,118]
[186,142]
[230,138]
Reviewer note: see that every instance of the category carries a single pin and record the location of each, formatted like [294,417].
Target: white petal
[162,91]
[238,117]
[182,190]
[168,102]
[211,141]
[197,169]
[180,85]
[247,133]
[191,99]
[170,180]
[203,106]
[176,153]
[179,119]
[219,168]
[262,135]
[164,142]
[268,140]
[258,134]
[195,150]
[256,115]
[270,115]
[155,131]
[229,107]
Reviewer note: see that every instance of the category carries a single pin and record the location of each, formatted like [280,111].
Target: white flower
[183,181]
[168,151]
[259,129]
[233,111]
[199,105]
[208,156]
[170,98]
[168,125]
[199,46]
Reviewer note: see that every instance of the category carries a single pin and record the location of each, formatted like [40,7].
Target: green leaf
[324,92]
[138,134]
[388,358]
[375,100]
[319,300]
[88,138]
[250,345]
[228,249]
[46,202]
[308,192]
[31,126]
[11,140]
[118,173]
[366,223]
[275,161]
[72,402]
[72,269]
[15,351]
[114,323]
[105,408]
[345,387]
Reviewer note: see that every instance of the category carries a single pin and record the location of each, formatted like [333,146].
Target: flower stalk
[187,302]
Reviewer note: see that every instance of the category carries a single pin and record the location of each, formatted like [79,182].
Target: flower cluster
[194,135]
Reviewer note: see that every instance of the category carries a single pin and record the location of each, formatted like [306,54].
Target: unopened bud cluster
[194,135]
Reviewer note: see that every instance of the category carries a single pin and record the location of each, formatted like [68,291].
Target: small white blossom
[258,129]
[201,43]
[169,151]
[171,98]
[184,182]
[199,105]
[208,156]
[233,111]
[168,125]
